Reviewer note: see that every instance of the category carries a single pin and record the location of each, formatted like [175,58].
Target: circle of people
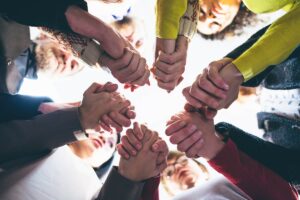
[31,127]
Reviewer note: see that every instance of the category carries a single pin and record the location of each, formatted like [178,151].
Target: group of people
[32,127]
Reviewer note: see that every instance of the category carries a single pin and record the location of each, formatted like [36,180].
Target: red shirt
[253,178]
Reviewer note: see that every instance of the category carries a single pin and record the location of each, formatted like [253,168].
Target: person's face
[216,15]
[95,150]
[133,34]
[182,173]
[56,62]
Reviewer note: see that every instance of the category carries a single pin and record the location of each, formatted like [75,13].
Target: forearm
[32,136]
[19,107]
[273,47]
[118,187]
[249,175]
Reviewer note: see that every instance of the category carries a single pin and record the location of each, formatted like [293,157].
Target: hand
[130,68]
[132,144]
[143,165]
[94,105]
[85,24]
[116,119]
[169,66]
[194,135]
[217,87]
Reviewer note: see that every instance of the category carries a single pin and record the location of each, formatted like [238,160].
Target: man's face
[53,61]
[182,173]
[215,16]
[95,150]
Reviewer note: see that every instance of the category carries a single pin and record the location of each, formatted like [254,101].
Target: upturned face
[216,15]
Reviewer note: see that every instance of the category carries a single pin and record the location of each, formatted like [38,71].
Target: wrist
[218,145]
[231,72]
[126,174]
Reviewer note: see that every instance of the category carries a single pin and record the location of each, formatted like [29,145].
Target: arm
[17,107]
[284,162]
[273,47]
[249,175]
[38,134]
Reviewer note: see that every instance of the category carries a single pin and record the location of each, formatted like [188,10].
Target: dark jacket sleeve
[18,107]
[36,135]
[40,13]
[285,162]
[117,187]
[252,177]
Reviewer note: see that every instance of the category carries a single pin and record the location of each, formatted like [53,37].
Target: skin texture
[126,65]
[194,135]
[132,144]
[216,88]
[170,62]
[143,165]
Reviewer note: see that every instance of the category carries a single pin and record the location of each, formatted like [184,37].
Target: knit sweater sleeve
[253,178]
[168,14]
[279,41]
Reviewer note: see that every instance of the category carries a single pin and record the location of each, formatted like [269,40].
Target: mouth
[186,178]
[97,143]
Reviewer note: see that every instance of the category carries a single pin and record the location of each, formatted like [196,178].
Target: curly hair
[243,18]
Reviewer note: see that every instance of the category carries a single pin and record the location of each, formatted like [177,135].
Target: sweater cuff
[188,22]
[117,187]
[168,14]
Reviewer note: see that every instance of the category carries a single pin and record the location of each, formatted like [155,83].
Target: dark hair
[243,18]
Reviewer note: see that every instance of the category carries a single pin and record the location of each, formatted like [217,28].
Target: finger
[109,121]
[122,152]
[162,166]
[137,131]
[160,158]
[183,134]
[110,87]
[171,58]
[204,97]
[178,125]
[166,77]
[185,144]
[189,108]
[193,151]
[190,99]
[104,126]
[210,113]
[119,119]
[215,76]
[133,139]
[116,64]
[139,72]
[127,146]
[93,88]
[142,80]
[168,68]
[209,87]
[123,74]
[160,146]
[167,86]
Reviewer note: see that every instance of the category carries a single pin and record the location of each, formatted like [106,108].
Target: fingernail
[182,123]
[139,146]
[193,127]
[133,152]
[155,146]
